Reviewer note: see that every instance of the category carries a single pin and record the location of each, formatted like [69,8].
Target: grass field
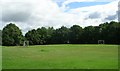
[0,58]
[61,57]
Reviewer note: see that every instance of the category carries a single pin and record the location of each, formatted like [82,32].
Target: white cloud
[38,13]
[103,10]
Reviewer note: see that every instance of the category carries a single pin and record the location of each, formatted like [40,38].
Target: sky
[33,14]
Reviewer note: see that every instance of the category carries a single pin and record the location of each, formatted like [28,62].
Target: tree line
[109,32]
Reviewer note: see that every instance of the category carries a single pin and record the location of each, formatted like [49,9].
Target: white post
[101,41]
[26,43]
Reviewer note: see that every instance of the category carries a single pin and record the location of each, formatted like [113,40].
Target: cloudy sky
[31,14]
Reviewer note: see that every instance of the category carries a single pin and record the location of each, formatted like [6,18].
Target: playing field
[61,57]
[0,58]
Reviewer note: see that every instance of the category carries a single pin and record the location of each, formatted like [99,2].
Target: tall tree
[12,35]
[33,37]
[75,34]
[60,35]
[49,35]
[42,32]
[0,37]
[110,32]
[88,34]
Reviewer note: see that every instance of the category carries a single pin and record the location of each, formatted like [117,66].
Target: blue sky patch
[84,4]
[59,4]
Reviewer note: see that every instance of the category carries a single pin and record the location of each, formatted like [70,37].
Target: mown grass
[0,57]
[61,57]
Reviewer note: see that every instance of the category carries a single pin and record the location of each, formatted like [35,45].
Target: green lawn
[61,57]
[0,58]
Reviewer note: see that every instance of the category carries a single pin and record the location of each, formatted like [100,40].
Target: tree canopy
[109,32]
[0,37]
[11,35]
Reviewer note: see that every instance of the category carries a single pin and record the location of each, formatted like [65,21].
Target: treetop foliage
[11,35]
[109,32]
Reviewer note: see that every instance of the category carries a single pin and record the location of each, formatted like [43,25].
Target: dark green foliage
[89,34]
[106,31]
[42,33]
[33,37]
[11,35]
[75,34]
[0,37]
[39,36]
[60,36]
[49,38]
[109,32]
